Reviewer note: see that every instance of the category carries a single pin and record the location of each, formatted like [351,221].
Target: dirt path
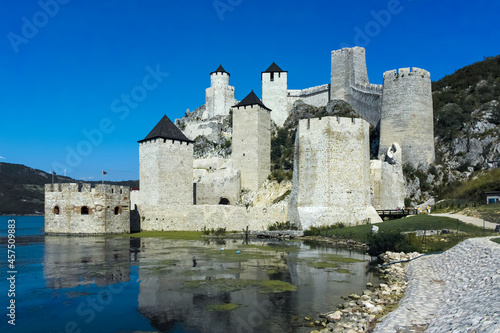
[469,219]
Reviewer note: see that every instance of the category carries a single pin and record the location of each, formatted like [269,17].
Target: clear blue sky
[67,64]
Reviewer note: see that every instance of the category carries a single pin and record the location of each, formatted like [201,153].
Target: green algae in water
[323,264]
[339,259]
[343,271]
[223,307]
[230,285]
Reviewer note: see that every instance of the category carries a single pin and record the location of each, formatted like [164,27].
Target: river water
[130,284]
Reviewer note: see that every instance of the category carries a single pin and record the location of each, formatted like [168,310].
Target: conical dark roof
[220,70]
[274,69]
[252,99]
[165,129]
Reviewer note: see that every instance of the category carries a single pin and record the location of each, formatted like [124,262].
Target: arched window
[56,210]
[224,201]
[84,210]
[118,210]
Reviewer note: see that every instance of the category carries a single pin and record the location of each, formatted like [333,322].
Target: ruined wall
[252,145]
[407,115]
[107,209]
[274,96]
[316,96]
[366,100]
[331,181]
[387,180]
[219,97]
[166,172]
[215,179]
[194,218]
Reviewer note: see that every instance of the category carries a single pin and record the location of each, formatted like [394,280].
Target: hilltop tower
[349,82]
[407,115]
[219,98]
[274,93]
[165,167]
[252,141]
[331,173]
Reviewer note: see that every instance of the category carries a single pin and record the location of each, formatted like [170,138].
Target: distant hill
[22,188]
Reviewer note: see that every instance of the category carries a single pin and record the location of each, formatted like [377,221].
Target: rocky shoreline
[458,290]
[360,313]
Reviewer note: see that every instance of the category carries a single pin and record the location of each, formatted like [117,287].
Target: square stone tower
[275,93]
[252,141]
[165,167]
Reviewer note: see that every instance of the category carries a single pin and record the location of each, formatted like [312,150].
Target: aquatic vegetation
[223,307]
[230,285]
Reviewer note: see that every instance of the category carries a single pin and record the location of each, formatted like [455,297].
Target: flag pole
[52,177]
[102,176]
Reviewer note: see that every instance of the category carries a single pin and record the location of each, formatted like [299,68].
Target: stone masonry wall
[316,96]
[194,218]
[407,115]
[219,97]
[252,145]
[274,96]
[108,209]
[331,178]
[166,172]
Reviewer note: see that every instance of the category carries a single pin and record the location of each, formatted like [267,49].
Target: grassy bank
[390,235]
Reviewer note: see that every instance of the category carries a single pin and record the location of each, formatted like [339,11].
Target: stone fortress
[334,180]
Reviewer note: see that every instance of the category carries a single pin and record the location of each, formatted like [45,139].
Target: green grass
[496,240]
[187,235]
[223,307]
[413,223]
[230,285]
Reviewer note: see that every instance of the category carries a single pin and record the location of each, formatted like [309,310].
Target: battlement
[348,49]
[87,188]
[406,72]
[308,91]
[337,123]
[162,140]
[368,88]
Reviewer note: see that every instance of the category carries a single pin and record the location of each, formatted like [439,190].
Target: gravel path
[456,291]
[468,219]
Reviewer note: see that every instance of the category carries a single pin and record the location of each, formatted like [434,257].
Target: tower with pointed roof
[165,167]
[219,98]
[274,93]
[252,141]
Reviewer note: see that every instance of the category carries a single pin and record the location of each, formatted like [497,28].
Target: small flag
[53,172]
[104,173]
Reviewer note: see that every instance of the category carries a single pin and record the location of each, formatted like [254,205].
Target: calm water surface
[121,284]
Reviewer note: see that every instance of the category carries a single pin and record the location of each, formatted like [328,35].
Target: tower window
[224,201]
[272,76]
[117,210]
[84,210]
[56,210]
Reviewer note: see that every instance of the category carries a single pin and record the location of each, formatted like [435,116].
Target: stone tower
[252,141]
[274,93]
[219,98]
[348,69]
[407,115]
[165,167]
[331,173]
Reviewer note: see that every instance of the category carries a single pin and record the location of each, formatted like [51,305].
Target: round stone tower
[274,93]
[219,98]
[407,115]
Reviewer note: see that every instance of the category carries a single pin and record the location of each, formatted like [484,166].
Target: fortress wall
[387,185]
[316,96]
[211,129]
[217,186]
[331,177]
[252,145]
[166,172]
[194,218]
[102,202]
[407,115]
[274,96]
[366,100]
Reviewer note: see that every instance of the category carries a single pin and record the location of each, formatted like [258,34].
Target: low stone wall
[195,218]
